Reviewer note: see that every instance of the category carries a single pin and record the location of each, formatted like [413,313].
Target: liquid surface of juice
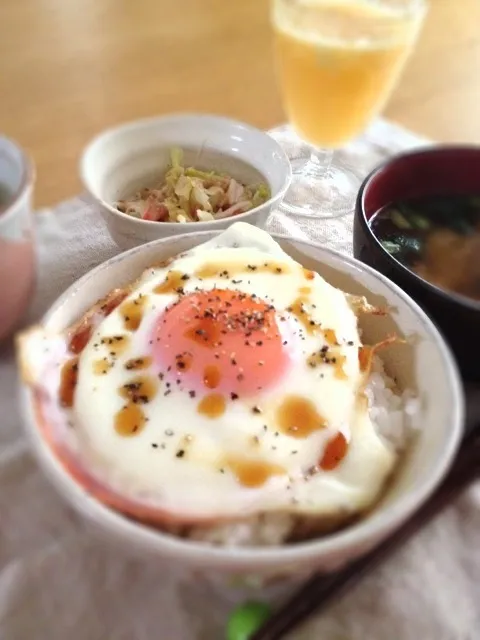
[338,61]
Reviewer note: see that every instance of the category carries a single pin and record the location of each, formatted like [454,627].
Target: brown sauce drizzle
[298,417]
[212,406]
[132,312]
[226,270]
[328,356]
[101,367]
[113,300]
[339,371]
[130,420]
[139,390]
[136,364]
[173,283]
[315,359]
[82,333]
[297,309]
[115,344]
[253,473]
[211,376]
[330,336]
[365,355]
[309,275]
[204,332]
[334,453]
[68,382]
[183,361]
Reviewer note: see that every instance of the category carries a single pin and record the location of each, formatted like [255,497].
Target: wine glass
[338,62]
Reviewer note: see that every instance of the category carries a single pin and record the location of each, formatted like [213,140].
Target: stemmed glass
[338,62]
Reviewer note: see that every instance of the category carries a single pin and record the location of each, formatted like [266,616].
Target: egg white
[198,485]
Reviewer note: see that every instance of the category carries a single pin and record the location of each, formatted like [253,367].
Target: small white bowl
[124,159]
[425,365]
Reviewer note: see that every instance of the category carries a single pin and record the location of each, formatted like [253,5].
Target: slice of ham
[240,207]
[156,212]
[235,192]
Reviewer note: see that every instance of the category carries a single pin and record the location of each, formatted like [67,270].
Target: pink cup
[17,251]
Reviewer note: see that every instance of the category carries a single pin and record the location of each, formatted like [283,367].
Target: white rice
[392,414]
[394,417]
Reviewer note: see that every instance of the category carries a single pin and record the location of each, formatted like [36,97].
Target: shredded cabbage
[193,195]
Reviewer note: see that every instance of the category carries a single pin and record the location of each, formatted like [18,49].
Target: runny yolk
[224,340]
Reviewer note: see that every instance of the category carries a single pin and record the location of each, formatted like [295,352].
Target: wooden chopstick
[320,590]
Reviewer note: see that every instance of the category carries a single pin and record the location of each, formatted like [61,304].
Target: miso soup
[437,237]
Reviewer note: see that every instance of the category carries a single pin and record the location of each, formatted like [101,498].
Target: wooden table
[69,68]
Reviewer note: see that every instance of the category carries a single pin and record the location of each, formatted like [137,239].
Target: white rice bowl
[424,388]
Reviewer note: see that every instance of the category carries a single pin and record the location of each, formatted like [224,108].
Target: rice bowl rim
[201,554]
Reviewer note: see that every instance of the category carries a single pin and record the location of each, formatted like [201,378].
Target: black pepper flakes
[180,453]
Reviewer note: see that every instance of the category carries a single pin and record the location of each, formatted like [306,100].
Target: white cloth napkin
[57,582]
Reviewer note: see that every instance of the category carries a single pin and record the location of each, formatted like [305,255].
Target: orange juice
[338,62]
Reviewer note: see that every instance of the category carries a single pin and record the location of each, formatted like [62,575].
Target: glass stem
[319,163]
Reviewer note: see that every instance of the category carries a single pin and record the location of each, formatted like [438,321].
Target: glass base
[317,194]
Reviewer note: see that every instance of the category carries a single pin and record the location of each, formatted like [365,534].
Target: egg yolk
[222,340]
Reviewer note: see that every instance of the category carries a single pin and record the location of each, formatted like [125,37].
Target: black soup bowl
[434,171]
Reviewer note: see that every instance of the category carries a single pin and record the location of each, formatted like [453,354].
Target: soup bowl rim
[360,213]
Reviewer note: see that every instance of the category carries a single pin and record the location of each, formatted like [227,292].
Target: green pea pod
[247,619]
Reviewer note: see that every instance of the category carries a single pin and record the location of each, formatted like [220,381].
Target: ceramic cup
[17,253]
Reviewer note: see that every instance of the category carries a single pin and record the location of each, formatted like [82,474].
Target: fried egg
[225,384]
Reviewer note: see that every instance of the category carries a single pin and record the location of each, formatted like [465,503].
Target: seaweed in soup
[436,237]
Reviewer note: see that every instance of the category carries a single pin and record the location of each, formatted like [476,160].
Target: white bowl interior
[135,155]
[425,366]
[147,170]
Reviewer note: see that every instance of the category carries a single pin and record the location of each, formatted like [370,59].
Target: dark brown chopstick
[320,590]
